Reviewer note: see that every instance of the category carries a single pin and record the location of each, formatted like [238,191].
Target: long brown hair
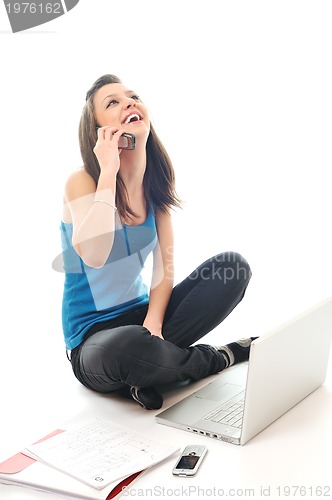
[159,178]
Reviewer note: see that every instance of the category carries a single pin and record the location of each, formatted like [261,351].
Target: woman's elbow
[92,258]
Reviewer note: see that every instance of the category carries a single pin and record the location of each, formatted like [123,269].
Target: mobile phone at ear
[189,461]
[127,141]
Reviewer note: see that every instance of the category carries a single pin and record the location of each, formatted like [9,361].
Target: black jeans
[122,351]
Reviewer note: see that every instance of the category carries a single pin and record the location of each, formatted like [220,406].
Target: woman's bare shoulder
[79,183]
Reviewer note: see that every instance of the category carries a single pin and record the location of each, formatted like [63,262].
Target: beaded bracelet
[107,203]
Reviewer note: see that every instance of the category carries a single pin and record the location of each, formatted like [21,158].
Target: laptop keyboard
[229,413]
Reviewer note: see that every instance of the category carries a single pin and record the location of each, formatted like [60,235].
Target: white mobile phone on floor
[189,461]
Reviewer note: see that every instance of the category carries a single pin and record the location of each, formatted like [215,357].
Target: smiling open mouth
[133,117]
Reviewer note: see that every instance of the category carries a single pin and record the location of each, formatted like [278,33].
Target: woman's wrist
[107,179]
[105,192]
[153,322]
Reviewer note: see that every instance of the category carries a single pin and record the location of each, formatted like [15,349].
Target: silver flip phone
[189,461]
[126,141]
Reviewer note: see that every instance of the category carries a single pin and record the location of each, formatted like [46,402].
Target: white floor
[39,393]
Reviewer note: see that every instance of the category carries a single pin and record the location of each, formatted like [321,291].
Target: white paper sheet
[100,452]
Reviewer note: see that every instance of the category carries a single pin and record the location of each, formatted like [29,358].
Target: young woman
[121,335]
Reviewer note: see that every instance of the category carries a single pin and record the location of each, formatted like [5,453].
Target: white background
[240,94]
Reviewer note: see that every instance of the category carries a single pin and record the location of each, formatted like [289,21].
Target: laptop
[285,365]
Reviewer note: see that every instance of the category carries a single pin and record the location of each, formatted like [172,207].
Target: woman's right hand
[107,150]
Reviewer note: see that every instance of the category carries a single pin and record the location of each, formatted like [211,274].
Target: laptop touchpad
[218,393]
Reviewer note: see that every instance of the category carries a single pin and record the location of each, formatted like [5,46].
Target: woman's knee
[231,267]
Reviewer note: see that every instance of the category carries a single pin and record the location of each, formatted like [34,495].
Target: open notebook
[95,461]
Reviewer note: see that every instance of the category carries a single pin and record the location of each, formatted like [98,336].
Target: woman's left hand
[153,329]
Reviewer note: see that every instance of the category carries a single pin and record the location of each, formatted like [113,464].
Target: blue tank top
[94,295]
